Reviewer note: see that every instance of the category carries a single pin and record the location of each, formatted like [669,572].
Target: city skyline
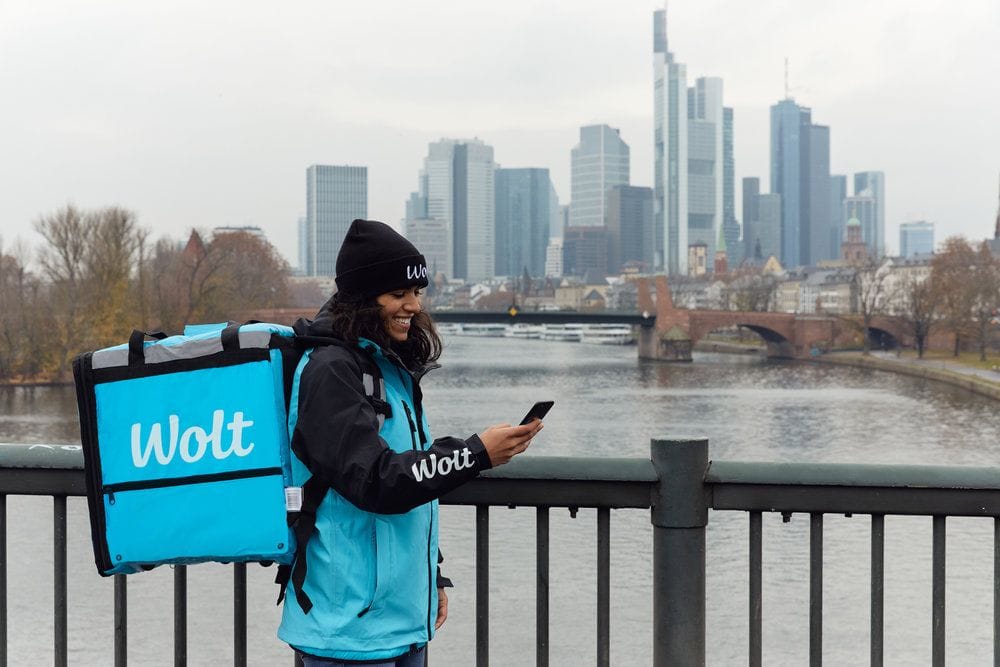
[211,122]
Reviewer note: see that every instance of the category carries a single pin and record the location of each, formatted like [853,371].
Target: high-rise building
[705,164]
[730,225]
[335,196]
[431,236]
[585,251]
[458,184]
[872,184]
[769,226]
[670,153]
[800,173]
[598,163]
[554,258]
[630,227]
[837,216]
[821,227]
[751,217]
[916,238]
[303,233]
[523,218]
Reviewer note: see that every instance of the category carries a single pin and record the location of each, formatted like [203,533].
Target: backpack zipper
[140,485]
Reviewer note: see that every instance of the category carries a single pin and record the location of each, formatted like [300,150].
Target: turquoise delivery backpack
[186,447]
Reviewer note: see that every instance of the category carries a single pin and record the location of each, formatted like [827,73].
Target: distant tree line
[98,276]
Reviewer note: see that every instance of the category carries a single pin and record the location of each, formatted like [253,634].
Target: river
[607,404]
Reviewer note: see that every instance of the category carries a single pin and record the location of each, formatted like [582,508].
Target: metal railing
[677,484]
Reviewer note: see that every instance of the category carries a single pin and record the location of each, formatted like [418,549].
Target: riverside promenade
[983,381]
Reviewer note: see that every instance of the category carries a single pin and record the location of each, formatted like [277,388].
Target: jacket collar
[377,351]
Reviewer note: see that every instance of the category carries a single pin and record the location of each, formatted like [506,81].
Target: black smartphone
[537,411]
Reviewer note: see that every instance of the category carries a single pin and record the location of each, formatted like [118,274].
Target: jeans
[413,659]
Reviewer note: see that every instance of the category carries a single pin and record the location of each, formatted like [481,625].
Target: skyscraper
[751,216]
[819,224]
[837,216]
[458,178]
[523,218]
[872,184]
[705,164]
[730,225]
[335,196]
[670,153]
[598,163]
[800,173]
[630,227]
[916,238]
[585,252]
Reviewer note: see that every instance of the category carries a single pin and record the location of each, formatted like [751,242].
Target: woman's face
[398,307]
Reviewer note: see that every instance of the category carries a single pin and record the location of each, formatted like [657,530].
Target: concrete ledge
[974,384]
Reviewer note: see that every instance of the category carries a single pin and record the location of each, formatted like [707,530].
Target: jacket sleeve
[336,436]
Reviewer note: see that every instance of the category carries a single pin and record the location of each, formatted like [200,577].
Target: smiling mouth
[403,322]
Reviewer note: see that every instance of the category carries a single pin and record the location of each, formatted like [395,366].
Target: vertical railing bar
[3,580]
[60,606]
[755,603]
[121,620]
[180,616]
[542,587]
[603,586]
[240,614]
[877,629]
[815,589]
[482,585]
[938,593]
[996,591]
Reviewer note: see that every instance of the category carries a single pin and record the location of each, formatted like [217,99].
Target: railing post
[679,516]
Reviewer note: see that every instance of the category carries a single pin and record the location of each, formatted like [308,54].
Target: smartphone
[537,411]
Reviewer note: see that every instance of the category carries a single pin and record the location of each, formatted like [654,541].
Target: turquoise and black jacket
[364,585]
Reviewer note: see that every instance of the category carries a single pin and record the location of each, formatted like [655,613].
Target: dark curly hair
[352,318]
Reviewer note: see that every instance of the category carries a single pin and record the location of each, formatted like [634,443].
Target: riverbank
[977,380]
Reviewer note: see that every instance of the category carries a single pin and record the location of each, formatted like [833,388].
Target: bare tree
[985,280]
[950,269]
[63,260]
[868,288]
[20,350]
[919,303]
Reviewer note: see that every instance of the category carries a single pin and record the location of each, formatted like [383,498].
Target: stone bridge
[787,335]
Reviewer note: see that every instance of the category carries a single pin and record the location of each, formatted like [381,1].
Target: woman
[366,586]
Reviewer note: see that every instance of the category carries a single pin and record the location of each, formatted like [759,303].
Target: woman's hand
[503,441]
[442,609]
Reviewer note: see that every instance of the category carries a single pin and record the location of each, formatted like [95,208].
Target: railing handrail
[678,484]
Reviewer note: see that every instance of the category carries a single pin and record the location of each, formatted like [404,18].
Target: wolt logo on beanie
[376,259]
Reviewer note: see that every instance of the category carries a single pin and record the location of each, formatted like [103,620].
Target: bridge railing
[677,484]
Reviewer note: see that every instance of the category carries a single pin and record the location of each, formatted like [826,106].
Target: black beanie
[376,259]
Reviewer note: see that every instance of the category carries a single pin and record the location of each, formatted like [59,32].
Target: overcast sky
[198,114]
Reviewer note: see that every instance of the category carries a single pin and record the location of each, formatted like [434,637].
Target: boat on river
[525,331]
[607,334]
[568,333]
[493,330]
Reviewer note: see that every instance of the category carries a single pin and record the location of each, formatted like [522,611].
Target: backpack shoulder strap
[303,522]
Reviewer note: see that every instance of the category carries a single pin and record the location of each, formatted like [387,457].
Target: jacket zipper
[371,602]
[430,570]
[111,489]
[413,429]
